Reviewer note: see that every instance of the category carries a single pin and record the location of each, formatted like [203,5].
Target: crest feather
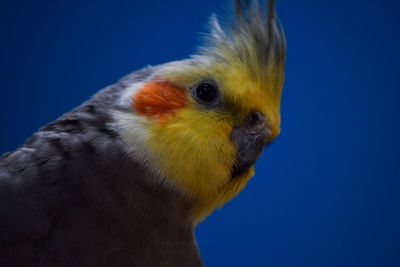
[252,40]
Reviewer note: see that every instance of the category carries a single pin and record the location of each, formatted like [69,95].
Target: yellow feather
[194,148]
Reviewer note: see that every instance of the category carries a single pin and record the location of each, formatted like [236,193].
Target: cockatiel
[123,179]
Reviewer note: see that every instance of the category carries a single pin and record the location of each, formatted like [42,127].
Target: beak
[249,138]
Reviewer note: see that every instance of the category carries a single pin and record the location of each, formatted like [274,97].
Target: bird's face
[202,123]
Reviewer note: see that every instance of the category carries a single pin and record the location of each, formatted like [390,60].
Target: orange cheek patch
[159,100]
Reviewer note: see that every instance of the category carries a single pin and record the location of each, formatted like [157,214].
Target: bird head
[201,123]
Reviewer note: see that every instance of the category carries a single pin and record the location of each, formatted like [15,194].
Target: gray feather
[72,196]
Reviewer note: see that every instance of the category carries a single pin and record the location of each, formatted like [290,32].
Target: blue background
[326,193]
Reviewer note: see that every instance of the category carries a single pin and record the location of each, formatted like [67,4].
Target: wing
[72,194]
[50,174]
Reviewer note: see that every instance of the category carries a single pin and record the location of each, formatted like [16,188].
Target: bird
[125,178]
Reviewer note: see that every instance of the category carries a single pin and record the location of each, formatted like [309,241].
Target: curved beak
[249,138]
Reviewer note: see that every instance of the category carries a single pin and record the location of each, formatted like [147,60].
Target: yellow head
[201,123]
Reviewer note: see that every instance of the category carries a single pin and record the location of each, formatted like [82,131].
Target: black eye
[206,93]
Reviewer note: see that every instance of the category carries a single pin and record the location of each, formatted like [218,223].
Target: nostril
[255,118]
